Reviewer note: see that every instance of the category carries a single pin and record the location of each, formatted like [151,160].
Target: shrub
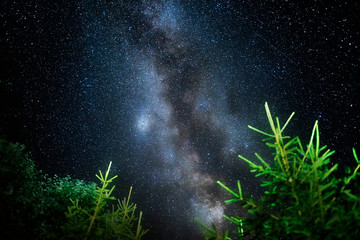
[18,192]
[302,197]
[35,206]
[110,224]
[57,192]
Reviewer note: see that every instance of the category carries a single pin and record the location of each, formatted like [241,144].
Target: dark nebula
[166,89]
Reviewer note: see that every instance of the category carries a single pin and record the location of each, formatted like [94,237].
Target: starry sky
[165,90]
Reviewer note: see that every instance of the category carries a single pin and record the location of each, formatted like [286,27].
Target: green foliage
[302,198]
[18,191]
[105,224]
[32,203]
[35,206]
[212,233]
[57,192]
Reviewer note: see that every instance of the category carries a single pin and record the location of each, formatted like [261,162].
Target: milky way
[165,90]
[182,114]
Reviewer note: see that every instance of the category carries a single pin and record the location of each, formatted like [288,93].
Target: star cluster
[166,89]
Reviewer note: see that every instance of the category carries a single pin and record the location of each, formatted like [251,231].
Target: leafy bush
[56,192]
[35,206]
[115,224]
[19,190]
[32,203]
[303,199]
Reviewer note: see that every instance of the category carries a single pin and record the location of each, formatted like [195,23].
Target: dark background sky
[166,89]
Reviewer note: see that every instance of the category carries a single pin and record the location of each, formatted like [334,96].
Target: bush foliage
[119,223]
[302,197]
[36,206]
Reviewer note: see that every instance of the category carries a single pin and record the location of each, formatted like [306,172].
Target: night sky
[165,90]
